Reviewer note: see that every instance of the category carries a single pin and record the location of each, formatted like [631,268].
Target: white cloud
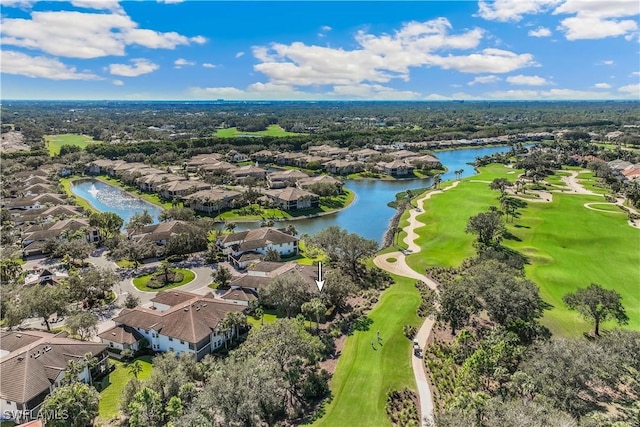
[373,92]
[208,65]
[597,19]
[381,58]
[181,62]
[540,32]
[113,5]
[523,80]
[606,62]
[17,3]
[40,66]
[635,74]
[140,66]
[602,86]
[118,82]
[239,54]
[325,28]
[487,61]
[554,94]
[512,10]
[170,1]
[633,89]
[272,91]
[86,35]
[484,80]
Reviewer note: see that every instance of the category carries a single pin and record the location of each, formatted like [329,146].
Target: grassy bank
[568,245]
[364,376]
[66,185]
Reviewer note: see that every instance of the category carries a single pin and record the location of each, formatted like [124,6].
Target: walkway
[575,186]
[400,268]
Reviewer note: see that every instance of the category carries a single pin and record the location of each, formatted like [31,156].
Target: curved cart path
[400,267]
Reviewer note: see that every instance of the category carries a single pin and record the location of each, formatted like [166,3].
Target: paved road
[400,267]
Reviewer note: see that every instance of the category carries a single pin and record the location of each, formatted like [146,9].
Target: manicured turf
[54,142]
[272,130]
[140,282]
[363,375]
[568,245]
[114,384]
[267,318]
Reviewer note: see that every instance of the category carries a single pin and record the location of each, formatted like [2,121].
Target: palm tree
[436,181]
[259,314]
[291,229]
[236,321]
[135,368]
[230,226]
[314,308]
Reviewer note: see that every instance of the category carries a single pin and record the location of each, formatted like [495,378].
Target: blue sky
[240,50]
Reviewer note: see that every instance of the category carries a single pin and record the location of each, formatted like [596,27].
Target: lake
[369,214]
[107,198]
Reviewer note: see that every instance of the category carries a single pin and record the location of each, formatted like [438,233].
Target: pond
[108,198]
[369,214]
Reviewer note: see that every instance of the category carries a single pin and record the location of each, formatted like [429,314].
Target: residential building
[343,167]
[182,188]
[33,364]
[305,183]
[292,198]
[213,200]
[248,246]
[35,236]
[177,321]
[249,171]
[259,275]
[395,168]
[159,233]
[286,178]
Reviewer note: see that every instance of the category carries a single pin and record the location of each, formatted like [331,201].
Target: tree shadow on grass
[362,323]
[510,236]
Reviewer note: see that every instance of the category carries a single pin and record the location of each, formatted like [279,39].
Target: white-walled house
[33,364]
[177,321]
[257,242]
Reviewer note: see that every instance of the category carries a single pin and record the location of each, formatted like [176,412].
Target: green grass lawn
[327,205]
[140,282]
[568,246]
[363,376]
[269,316]
[114,383]
[272,130]
[54,142]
